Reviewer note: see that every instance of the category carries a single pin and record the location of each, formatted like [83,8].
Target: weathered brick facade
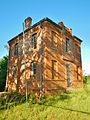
[61,59]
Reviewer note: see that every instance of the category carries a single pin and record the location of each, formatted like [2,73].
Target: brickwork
[54,60]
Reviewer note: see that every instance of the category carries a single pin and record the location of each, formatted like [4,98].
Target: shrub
[32,99]
[85,79]
[8,100]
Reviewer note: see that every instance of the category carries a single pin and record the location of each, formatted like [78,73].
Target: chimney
[28,22]
[70,30]
[61,24]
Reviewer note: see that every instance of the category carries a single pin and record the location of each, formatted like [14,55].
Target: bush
[8,100]
[85,79]
[42,100]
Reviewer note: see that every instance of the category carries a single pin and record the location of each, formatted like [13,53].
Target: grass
[66,106]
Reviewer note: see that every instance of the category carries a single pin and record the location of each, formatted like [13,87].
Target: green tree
[3,72]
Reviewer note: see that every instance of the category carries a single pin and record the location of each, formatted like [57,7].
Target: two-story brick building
[45,58]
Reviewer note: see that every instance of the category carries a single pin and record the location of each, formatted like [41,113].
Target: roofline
[77,38]
[41,21]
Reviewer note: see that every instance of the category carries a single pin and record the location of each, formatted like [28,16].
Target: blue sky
[74,13]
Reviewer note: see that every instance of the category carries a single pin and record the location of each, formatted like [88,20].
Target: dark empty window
[16,49]
[67,45]
[14,71]
[34,41]
[78,53]
[33,67]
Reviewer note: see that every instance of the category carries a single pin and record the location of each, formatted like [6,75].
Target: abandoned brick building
[44,59]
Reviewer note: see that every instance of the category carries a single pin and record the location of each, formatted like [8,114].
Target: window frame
[14,71]
[33,68]
[68,74]
[16,49]
[77,72]
[67,45]
[54,40]
[78,52]
[34,40]
[53,68]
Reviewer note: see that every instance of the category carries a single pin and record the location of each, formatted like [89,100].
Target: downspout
[24,53]
[40,59]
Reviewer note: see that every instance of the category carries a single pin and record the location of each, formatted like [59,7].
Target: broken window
[34,41]
[14,71]
[16,49]
[78,53]
[33,68]
[67,45]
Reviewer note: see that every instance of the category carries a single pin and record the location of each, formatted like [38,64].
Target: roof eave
[77,38]
[45,19]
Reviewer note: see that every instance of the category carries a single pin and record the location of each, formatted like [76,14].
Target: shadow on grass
[50,102]
[62,97]
[54,99]
[88,113]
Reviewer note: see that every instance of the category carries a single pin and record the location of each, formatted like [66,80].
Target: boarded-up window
[54,69]
[54,39]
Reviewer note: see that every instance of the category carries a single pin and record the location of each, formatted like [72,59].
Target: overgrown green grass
[73,105]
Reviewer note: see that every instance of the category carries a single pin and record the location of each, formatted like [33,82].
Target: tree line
[3,72]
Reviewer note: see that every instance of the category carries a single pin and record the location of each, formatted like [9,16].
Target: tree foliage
[3,72]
